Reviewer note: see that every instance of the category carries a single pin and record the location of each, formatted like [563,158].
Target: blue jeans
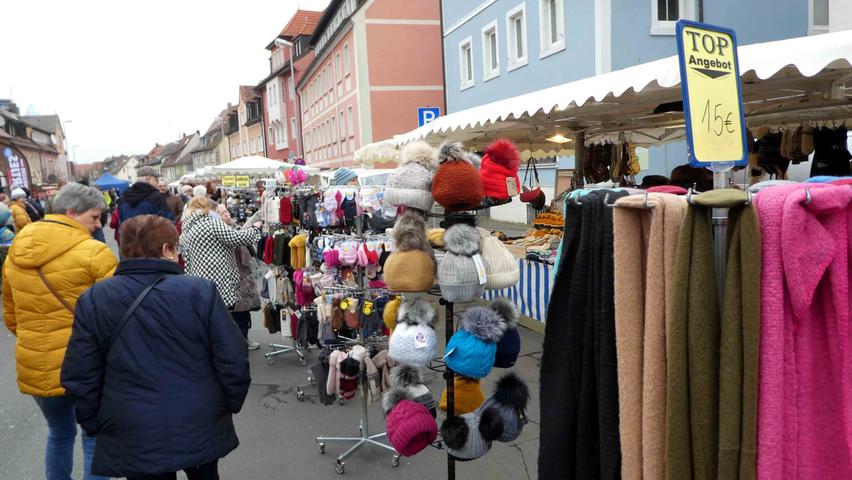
[61,433]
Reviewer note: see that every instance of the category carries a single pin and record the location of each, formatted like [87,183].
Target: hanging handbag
[532,194]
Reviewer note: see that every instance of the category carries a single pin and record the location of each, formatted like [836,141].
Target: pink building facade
[377,62]
[287,64]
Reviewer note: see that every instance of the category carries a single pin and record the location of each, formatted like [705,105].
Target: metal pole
[579,179]
[720,227]
[450,378]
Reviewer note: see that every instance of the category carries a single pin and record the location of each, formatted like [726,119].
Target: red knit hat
[410,428]
[456,185]
[500,163]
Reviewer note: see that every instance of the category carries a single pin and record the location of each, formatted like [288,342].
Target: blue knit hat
[471,350]
[343,175]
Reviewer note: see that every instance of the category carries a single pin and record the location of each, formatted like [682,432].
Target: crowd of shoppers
[104,367]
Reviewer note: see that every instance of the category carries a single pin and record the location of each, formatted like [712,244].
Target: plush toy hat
[410,185]
[457,186]
[410,426]
[499,170]
[458,276]
[509,404]
[471,350]
[411,267]
[509,346]
[414,342]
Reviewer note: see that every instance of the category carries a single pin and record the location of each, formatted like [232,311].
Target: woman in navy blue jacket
[158,393]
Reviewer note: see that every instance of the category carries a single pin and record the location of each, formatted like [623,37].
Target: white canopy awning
[789,80]
[254,165]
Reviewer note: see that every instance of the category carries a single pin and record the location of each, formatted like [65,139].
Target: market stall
[107,182]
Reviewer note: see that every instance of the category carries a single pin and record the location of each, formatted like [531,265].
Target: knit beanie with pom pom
[457,185]
[411,266]
[471,350]
[499,170]
[458,275]
[410,185]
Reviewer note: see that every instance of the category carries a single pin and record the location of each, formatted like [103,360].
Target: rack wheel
[321,447]
[395,462]
[302,361]
[300,395]
[338,467]
[340,401]
[270,361]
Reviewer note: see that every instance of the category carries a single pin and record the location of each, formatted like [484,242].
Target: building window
[342,125]
[465,64]
[490,52]
[516,38]
[293,127]
[346,59]
[818,21]
[666,13]
[350,122]
[270,137]
[552,26]
[338,67]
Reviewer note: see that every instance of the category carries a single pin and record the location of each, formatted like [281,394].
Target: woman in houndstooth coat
[208,245]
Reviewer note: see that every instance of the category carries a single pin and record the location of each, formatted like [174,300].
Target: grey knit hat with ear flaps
[457,274]
[410,185]
[469,436]
[407,379]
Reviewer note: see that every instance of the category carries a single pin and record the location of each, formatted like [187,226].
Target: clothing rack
[365,438]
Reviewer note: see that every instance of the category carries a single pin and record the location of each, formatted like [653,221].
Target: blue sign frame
[421,114]
[687,114]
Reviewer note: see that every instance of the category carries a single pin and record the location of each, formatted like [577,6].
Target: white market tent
[366,176]
[254,166]
[784,83]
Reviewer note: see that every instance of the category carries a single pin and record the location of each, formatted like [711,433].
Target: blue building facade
[487,59]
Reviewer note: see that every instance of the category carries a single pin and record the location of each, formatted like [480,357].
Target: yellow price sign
[712,94]
[228,181]
[242,181]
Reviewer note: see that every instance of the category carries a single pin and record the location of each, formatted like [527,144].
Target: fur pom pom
[504,152]
[454,151]
[507,311]
[419,153]
[473,159]
[392,397]
[462,240]
[511,390]
[409,232]
[454,432]
[417,312]
[484,323]
[490,425]
[404,376]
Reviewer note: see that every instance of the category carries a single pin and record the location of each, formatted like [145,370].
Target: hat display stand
[364,439]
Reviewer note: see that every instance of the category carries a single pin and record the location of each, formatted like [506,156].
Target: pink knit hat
[410,428]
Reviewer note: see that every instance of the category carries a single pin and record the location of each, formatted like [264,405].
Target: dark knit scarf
[579,393]
[696,334]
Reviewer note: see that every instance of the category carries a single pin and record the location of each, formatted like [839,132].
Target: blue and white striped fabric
[532,293]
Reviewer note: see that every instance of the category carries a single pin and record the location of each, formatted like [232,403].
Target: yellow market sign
[712,95]
[242,181]
[228,180]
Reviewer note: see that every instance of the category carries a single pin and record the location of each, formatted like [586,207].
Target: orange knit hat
[457,186]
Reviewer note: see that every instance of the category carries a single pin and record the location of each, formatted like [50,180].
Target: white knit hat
[18,193]
[501,267]
[199,191]
[414,342]
[410,184]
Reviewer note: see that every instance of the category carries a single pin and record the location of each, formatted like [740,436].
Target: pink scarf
[805,388]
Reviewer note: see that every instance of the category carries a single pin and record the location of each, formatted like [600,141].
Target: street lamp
[296,113]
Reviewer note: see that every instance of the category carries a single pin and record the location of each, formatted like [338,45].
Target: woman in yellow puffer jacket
[49,265]
[19,210]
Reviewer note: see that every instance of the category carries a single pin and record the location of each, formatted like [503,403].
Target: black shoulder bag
[129,312]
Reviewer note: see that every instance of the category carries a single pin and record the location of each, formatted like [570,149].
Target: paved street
[277,432]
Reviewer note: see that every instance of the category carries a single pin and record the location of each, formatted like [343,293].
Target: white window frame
[281,137]
[350,119]
[546,47]
[292,127]
[489,72]
[346,67]
[660,27]
[511,40]
[817,29]
[466,78]
[342,125]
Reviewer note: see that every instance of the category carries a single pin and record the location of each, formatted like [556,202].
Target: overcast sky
[129,74]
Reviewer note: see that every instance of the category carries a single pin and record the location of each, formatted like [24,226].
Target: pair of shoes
[252,345]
